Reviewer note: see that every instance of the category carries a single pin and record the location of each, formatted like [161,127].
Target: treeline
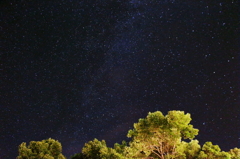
[154,137]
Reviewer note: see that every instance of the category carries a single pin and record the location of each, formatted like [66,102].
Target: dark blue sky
[78,70]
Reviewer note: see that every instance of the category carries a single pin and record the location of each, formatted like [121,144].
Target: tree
[156,136]
[45,149]
[192,149]
[120,148]
[235,153]
[188,150]
[98,150]
[210,151]
[160,135]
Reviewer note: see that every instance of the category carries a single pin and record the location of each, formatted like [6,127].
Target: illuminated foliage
[235,153]
[45,149]
[98,150]
[161,134]
[210,151]
[154,137]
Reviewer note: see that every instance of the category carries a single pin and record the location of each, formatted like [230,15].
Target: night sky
[75,70]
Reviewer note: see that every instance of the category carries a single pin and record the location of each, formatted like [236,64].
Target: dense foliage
[45,149]
[154,137]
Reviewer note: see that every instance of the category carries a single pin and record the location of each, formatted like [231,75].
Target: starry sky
[76,70]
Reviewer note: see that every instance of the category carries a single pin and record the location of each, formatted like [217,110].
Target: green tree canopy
[98,150]
[154,137]
[161,134]
[210,151]
[45,149]
[235,153]
[188,150]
